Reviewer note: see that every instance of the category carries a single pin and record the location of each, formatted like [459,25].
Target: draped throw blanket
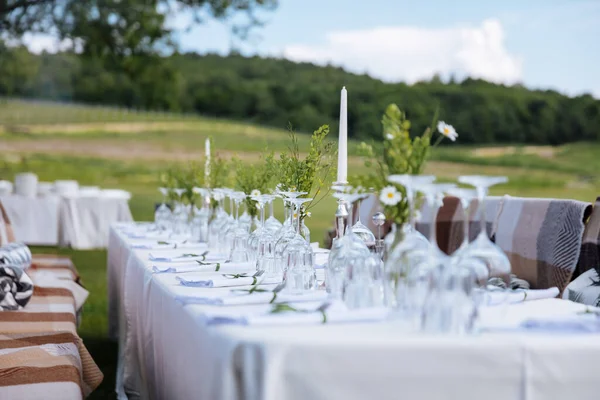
[16,288]
[590,245]
[542,238]
[15,254]
[450,221]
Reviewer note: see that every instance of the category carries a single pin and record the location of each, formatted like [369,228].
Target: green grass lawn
[113,149]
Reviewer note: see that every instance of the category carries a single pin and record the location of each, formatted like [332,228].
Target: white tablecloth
[167,353]
[79,222]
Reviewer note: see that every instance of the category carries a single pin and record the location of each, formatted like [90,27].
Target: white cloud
[412,53]
[37,43]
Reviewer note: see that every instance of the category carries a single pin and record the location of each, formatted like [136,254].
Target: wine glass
[410,245]
[180,215]
[364,287]
[287,233]
[482,248]
[162,215]
[413,281]
[245,219]
[227,231]
[343,251]
[219,219]
[272,223]
[239,244]
[199,225]
[299,274]
[255,236]
[359,229]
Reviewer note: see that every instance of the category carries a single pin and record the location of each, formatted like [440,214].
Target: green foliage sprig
[182,177]
[220,173]
[254,177]
[401,154]
[311,174]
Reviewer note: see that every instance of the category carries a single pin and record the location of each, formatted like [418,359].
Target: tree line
[276,92]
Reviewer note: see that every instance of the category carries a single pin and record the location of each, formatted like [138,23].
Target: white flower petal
[389,136]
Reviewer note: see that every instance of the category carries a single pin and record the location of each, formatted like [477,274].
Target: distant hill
[276,92]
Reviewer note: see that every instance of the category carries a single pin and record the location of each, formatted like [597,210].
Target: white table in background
[165,352]
[80,222]
[34,220]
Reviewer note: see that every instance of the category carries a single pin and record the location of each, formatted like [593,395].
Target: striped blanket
[542,238]
[41,355]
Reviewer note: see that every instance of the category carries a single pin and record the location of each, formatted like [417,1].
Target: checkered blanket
[542,238]
[41,355]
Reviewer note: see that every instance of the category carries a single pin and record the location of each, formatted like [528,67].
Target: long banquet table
[167,352]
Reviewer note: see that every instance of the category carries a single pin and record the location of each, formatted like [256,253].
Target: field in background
[113,148]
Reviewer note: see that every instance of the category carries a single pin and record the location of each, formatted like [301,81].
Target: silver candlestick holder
[379,220]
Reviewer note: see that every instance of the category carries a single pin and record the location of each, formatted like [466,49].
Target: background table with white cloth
[81,222]
[167,351]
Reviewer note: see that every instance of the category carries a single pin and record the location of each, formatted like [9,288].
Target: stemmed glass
[343,251]
[245,219]
[299,275]
[239,244]
[364,287]
[287,233]
[180,215]
[464,263]
[359,228]
[219,219]
[482,248]
[255,236]
[199,225]
[421,271]
[272,223]
[465,197]
[162,215]
[411,244]
[228,228]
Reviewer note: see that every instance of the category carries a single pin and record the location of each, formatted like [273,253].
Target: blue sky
[551,44]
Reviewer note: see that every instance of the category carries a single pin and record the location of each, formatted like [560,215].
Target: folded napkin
[225,280]
[578,323]
[297,314]
[149,244]
[495,298]
[183,256]
[263,295]
[16,288]
[16,255]
[225,268]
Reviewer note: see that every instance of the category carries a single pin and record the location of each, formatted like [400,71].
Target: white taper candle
[207,163]
[342,168]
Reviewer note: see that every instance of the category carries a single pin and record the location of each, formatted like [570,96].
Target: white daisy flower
[255,193]
[389,136]
[447,130]
[390,196]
